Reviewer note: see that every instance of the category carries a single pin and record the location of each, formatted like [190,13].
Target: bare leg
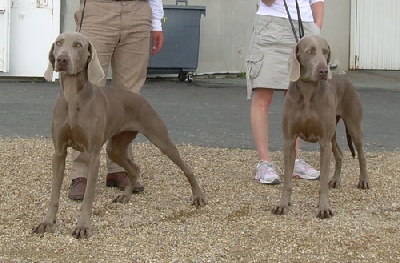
[298,148]
[259,116]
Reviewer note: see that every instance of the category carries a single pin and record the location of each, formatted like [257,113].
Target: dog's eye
[325,52]
[58,43]
[78,45]
[311,50]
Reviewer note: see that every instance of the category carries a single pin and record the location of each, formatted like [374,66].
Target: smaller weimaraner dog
[86,116]
[313,105]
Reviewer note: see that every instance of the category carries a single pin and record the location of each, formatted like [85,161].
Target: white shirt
[158,14]
[278,9]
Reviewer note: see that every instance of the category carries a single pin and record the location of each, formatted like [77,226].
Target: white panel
[34,26]
[375,36]
[5,34]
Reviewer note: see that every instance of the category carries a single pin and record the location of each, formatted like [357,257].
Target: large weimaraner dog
[86,116]
[313,105]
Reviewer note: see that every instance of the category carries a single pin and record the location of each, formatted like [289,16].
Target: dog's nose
[323,71]
[62,63]
[62,59]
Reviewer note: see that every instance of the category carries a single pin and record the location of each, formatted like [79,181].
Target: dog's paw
[81,232]
[280,210]
[199,201]
[123,199]
[324,213]
[334,184]
[363,185]
[42,228]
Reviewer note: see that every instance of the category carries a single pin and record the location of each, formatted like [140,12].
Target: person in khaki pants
[120,31]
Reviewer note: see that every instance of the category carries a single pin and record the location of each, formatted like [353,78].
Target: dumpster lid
[187,7]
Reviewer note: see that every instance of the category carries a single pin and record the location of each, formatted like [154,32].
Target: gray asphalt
[211,112]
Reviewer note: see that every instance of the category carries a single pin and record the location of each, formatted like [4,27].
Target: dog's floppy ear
[95,71]
[48,74]
[294,65]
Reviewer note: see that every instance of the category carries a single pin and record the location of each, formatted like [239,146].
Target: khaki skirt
[270,47]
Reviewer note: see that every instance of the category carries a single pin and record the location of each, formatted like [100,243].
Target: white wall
[336,30]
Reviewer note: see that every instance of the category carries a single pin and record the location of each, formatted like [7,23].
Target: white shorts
[270,47]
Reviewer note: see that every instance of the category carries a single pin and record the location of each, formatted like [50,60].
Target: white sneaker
[304,171]
[266,174]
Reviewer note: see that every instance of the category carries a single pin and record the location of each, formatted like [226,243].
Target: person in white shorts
[267,70]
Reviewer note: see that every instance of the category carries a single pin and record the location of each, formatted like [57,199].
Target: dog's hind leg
[117,151]
[160,138]
[356,132]
[348,137]
[335,181]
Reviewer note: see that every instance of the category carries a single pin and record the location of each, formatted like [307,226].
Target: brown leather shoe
[120,180]
[77,188]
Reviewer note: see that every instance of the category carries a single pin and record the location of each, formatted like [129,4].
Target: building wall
[226,31]
[336,30]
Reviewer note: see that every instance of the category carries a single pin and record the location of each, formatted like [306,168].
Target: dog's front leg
[324,209]
[289,156]
[58,168]
[82,229]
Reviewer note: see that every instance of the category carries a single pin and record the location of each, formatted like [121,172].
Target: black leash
[301,28]
[83,13]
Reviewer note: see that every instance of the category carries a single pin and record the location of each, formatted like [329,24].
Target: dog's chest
[312,109]
[76,138]
[310,129]
[75,133]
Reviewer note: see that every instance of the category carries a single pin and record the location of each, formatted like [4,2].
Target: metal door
[33,26]
[5,34]
[375,37]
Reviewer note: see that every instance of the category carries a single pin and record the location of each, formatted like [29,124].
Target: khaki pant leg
[120,33]
[79,167]
[131,56]
[101,26]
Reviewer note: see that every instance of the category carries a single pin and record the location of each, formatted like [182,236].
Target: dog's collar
[310,80]
[307,80]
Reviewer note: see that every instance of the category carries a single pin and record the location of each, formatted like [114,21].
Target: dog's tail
[348,137]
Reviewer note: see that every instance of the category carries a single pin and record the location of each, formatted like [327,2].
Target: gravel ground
[236,226]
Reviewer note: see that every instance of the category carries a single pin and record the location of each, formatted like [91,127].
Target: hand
[268,2]
[157,41]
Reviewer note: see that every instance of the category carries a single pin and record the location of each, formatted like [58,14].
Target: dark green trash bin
[180,52]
